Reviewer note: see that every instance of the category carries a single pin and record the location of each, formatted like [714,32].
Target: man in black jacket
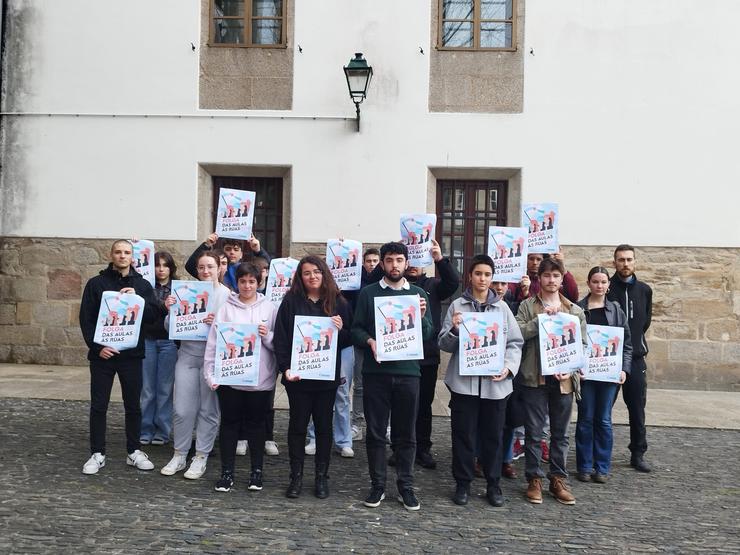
[106,362]
[438,289]
[636,299]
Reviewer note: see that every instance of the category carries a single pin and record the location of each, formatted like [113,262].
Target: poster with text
[604,362]
[314,355]
[119,320]
[344,258]
[417,232]
[280,278]
[482,344]
[398,333]
[237,354]
[235,213]
[191,308]
[143,259]
[543,221]
[561,344]
[508,248]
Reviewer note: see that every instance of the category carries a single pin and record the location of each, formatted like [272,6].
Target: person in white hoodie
[249,404]
[478,403]
[195,404]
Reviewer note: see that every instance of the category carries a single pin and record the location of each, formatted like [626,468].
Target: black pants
[269,421]
[398,396]
[634,393]
[304,405]
[474,418]
[101,383]
[242,408]
[427,387]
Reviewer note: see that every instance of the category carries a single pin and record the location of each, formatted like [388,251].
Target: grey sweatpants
[196,406]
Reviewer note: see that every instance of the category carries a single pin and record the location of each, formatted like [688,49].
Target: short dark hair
[597,270]
[481,259]
[260,262]
[248,269]
[394,247]
[623,247]
[223,241]
[371,250]
[166,257]
[550,265]
[219,253]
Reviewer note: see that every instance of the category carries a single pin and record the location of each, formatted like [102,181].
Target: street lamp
[358,75]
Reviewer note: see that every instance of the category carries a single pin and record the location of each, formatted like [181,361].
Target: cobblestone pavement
[691,503]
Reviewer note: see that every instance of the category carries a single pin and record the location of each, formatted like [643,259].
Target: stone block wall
[694,339]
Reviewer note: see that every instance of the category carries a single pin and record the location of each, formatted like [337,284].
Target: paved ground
[690,504]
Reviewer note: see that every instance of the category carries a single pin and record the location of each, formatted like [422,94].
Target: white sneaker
[197,467]
[271,448]
[241,447]
[310,448]
[346,452]
[94,463]
[356,433]
[140,460]
[176,464]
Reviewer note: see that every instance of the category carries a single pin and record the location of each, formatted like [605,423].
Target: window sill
[229,45]
[466,49]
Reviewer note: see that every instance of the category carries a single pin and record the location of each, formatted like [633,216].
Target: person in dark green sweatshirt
[391,387]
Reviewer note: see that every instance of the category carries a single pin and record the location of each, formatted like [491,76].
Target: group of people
[392,399]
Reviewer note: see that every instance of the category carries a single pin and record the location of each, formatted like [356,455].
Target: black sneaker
[226,482]
[255,480]
[462,494]
[409,500]
[373,499]
[425,460]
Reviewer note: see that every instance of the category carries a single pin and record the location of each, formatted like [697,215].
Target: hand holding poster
[235,213]
[543,221]
[237,354]
[119,320]
[344,258]
[417,232]
[604,363]
[398,328]
[482,344]
[508,248]
[561,344]
[143,259]
[314,354]
[192,306]
[280,278]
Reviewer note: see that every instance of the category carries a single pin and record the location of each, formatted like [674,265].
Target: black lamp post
[358,75]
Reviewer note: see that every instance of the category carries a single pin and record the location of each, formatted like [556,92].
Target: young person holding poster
[391,386]
[313,293]
[594,437]
[159,362]
[478,403]
[529,285]
[543,395]
[249,404]
[106,362]
[196,406]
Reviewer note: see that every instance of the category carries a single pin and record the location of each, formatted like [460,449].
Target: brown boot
[559,490]
[534,491]
[508,471]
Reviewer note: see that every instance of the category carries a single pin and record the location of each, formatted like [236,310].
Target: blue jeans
[594,437]
[158,378]
[342,413]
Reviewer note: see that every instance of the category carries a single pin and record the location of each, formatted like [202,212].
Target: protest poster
[508,248]
[119,320]
[143,259]
[314,355]
[542,221]
[191,308]
[344,258]
[280,278]
[561,344]
[417,232]
[482,344]
[604,362]
[235,213]
[398,333]
[237,354]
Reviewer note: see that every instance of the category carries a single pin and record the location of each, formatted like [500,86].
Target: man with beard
[390,387]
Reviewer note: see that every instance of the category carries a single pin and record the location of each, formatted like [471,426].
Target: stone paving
[691,503]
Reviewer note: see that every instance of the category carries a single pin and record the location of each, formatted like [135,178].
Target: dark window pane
[266,31]
[457,247]
[228,31]
[447,200]
[479,244]
[495,35]
[457,9]
[446,226]
[457,34]
[460,199]
[267,8]
[228,7]
[495,9]
[446,244]
[494,200]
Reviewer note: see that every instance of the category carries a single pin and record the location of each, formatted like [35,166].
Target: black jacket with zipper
[636,300]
